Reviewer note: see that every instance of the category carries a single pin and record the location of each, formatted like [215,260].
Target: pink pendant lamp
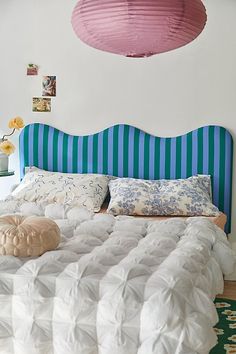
[138,28]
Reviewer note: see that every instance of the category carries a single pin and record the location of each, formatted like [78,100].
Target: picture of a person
[49,85]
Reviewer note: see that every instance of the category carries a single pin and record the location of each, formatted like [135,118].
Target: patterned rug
[226,327]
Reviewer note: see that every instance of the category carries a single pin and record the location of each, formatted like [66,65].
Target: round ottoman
[27,236]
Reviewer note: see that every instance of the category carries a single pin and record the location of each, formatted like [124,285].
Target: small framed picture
[49,85]
[32,69]
[41,104]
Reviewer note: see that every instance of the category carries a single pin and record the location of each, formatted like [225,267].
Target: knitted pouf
[27,236]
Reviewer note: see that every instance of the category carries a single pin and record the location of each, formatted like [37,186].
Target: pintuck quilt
[114,285]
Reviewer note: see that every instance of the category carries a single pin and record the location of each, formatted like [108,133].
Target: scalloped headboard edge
[126,151]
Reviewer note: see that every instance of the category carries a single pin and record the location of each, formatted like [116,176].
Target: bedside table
[7,173]
[2,182]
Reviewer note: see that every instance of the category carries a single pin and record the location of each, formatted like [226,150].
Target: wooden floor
[230,290]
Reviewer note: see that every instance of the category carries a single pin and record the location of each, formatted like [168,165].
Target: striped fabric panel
[126,151]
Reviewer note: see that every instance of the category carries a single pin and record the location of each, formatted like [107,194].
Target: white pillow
[87,190]
[182,197]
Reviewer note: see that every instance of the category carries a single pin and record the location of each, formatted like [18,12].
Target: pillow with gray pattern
[83,190]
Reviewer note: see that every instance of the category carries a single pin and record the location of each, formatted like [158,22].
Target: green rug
[226,327]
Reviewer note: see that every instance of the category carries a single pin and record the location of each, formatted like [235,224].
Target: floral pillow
[182,197]
[86,190]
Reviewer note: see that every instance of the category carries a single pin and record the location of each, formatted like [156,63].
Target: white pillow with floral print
[85,190]
[182,197]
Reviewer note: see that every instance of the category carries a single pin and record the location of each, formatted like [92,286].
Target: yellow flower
[16,123]
[7,147]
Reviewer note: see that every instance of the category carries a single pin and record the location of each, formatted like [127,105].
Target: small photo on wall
[49,85]
[32,69]
[41,104]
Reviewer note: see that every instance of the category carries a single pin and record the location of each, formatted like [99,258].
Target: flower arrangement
[6,147]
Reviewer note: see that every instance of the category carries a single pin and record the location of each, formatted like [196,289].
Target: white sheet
[115,285]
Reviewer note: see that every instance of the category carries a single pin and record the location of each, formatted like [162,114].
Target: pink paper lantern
[138,28]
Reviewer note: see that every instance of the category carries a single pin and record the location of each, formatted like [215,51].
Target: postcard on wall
[41,104]
[32,69]
[49,85]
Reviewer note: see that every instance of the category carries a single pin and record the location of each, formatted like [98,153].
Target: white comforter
[115,286]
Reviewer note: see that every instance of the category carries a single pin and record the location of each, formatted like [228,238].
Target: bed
[121,284]
[126,151]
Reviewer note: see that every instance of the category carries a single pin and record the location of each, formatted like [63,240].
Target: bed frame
[126,151]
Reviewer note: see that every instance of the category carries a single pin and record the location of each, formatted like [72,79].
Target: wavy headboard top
[126,151]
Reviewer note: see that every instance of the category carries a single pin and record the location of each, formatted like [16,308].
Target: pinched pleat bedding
[116,285]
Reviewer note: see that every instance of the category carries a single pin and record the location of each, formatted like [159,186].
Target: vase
[3,162]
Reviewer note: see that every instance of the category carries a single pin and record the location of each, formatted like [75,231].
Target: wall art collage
[49,83]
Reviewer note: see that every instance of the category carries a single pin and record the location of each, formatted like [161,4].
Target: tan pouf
[27,236]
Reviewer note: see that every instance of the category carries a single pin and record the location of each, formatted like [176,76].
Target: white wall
[167,94]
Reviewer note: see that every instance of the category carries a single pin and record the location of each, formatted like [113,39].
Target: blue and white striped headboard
[126,151]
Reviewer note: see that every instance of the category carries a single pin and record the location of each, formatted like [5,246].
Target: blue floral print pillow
[181,197]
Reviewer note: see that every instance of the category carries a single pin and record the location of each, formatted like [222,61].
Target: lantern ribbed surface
[138,28]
